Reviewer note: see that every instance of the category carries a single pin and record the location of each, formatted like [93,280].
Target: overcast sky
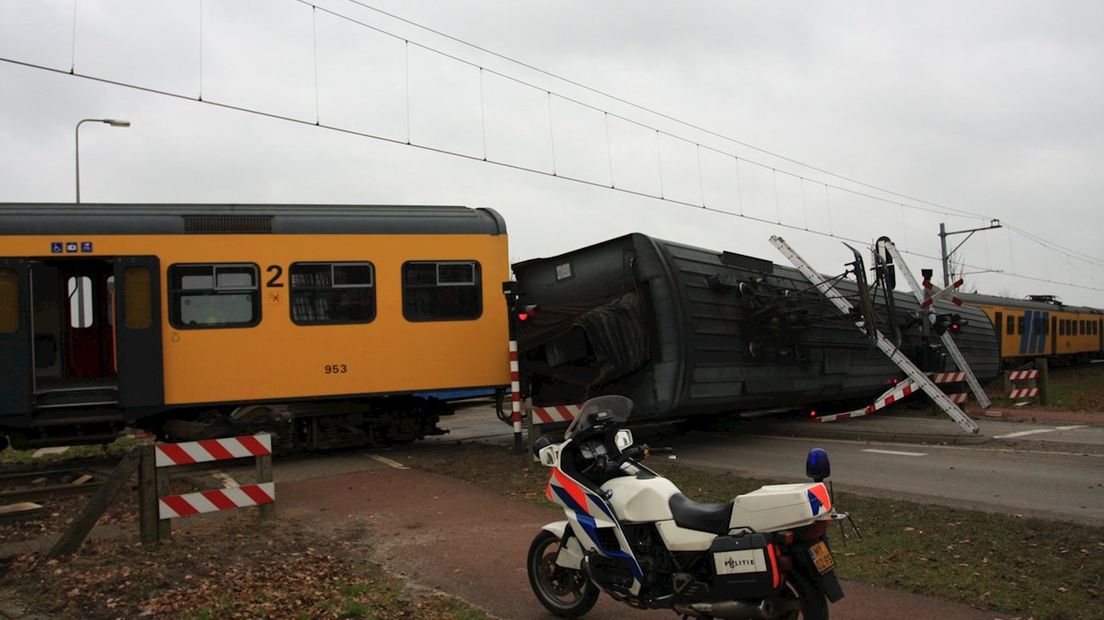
[989,107]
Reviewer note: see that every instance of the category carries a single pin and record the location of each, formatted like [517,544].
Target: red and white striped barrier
[189,504]
[189,452]
[895,394]
[1024,393]
[555,415]
[1031,391]
[948,377]
[515,388]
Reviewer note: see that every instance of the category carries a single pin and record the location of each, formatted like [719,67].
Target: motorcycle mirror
[817,466]
[623,439]
[539,444]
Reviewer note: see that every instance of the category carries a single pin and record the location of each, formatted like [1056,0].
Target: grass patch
[117,448]
[1048,570]
[1070,389]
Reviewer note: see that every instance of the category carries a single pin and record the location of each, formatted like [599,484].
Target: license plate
[822,557]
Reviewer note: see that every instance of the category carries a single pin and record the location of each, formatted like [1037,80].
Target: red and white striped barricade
[155,525]
[1012,377]
[899,392]
[550,418]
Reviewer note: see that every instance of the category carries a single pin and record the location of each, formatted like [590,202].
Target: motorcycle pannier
[744,566]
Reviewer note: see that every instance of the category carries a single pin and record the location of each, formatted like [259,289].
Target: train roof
[994,300]
[172,219]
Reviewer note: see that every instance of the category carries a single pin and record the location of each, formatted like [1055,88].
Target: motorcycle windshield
[600,410]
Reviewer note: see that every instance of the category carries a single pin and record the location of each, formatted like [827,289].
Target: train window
[1062,327]
[137,298]
[1040,325]
[1082,330]
[1020,325]
[332,293]
[1011,325]
[9,301]
[218,295]
[441,291]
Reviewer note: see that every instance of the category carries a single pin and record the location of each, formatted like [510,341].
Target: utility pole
[946,256]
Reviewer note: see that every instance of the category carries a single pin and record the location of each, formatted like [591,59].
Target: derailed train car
[684,330]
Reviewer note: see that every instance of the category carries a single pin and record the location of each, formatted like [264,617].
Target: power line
[272,115]
[942,208]
[653,111]
[554,173]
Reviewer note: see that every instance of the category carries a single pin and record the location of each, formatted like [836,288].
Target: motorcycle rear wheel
[814,606]
[565,592]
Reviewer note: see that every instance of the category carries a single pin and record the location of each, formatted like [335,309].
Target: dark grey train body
[684,330]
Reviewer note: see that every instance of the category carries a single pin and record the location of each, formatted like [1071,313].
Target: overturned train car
[684,330]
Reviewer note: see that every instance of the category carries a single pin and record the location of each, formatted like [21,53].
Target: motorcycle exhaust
[730,610]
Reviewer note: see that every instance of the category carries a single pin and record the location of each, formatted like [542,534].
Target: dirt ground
[225,568]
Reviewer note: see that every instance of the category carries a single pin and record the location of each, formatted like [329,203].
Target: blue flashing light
[817,466]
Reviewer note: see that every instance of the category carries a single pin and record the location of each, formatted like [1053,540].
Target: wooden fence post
[264,474]
[147,495]
[1044,382]
[71,540]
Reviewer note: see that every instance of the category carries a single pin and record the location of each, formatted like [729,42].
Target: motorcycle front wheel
[565,592]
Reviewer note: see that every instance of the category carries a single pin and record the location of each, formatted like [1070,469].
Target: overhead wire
[649,110]
[555,173]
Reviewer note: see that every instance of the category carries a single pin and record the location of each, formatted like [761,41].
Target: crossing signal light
[525,312]
[945,323]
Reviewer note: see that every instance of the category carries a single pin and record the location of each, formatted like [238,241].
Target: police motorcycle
[631,534]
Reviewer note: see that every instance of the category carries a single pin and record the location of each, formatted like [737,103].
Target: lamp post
[945,255]
[107,121]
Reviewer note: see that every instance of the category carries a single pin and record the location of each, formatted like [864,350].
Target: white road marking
[1039,430]
[387,461]
[895,452]
[968,447]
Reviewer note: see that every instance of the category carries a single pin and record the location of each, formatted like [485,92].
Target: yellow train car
[1042,327]
[325,323]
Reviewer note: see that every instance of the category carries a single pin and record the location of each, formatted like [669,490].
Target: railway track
[44,483]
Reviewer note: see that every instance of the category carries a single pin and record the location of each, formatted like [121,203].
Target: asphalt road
[1052,470]
[991,477]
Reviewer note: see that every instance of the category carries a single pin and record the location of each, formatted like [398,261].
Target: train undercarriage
[296,427]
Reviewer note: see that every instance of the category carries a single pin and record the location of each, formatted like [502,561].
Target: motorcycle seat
[691,515]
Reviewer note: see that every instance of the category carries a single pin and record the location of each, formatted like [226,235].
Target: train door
[74,333]
[138,331]
[1054,334]
[15,337]
[998,324]
[97,332]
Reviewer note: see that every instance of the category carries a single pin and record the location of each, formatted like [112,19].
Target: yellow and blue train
[1042,326]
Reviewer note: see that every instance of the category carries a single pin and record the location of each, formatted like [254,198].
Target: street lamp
[943,234]
[107,121]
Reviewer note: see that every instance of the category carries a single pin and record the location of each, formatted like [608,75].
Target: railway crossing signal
[890,250]
[947,324]
[917,376]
